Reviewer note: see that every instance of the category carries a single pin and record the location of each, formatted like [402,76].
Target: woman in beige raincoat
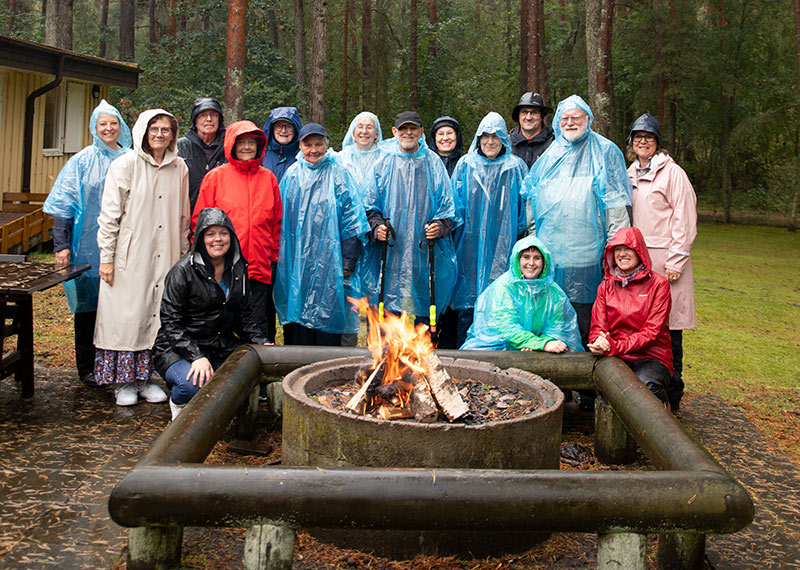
[665,210]
[143,231]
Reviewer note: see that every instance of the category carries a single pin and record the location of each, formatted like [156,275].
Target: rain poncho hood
[244,129]
[321,209]
[358,162]
[649,124]
[140,132]
[206,104]
[488,197]
[77,195]
[515,313]
[411,190]
[579,193]
[278,158]
[451,160]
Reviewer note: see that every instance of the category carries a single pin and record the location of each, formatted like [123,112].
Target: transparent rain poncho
[489,202]
[579,192]
[515,313]
[76,195]
[358,162]
[411,190]
[321,209]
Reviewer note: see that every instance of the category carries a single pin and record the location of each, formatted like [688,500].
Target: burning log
[356,403]
[422,402]
[444,389]
[395,413]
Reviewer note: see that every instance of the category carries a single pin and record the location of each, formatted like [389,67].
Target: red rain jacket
[637,316]
[249,195]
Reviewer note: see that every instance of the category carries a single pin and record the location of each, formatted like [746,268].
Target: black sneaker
[88,380]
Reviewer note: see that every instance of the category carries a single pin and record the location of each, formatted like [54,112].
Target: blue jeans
[182,390]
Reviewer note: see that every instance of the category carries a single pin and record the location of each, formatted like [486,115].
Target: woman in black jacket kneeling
[205,309]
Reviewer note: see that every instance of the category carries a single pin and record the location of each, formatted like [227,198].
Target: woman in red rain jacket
[630,318]
[248,193]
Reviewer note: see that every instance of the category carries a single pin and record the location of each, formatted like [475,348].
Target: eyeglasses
[283,127]
[155,130]
[207,115]
[567,118]
[643,138]
[526,112]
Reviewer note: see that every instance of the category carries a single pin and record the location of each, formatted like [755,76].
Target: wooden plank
[11,234]
[444,389]
[25,196]
[16,207]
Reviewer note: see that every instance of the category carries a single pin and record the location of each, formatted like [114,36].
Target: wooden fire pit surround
[691,495]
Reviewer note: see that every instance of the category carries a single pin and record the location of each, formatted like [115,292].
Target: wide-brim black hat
[530,99]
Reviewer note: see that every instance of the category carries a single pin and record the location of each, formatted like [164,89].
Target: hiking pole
[432,314]
[390,234]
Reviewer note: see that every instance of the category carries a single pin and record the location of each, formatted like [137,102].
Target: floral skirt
[122,366]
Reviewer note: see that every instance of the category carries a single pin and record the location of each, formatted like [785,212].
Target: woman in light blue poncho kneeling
[74,201]
[524,309]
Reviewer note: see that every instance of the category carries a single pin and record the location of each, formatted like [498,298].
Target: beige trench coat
[665,210]
[143,230]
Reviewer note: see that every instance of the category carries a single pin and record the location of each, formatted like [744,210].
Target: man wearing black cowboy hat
[531,138]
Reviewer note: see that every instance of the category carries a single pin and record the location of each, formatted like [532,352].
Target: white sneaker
[175,408]
[127,394]
[151,392]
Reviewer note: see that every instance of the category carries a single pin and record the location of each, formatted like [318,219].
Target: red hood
[633,238]
[242,128]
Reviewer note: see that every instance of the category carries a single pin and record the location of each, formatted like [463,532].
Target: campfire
[406,378]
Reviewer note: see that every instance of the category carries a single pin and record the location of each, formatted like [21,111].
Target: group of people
[524,242]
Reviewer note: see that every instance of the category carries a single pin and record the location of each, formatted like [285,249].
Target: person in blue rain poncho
[487,184]
[580,196]
[321,240]
[524,309]
[410,188]
[282,129]
[75,200]
[360,147]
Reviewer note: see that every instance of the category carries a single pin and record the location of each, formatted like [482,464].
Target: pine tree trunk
[544,88]
[153,24]
[127,25]
[103,27]
[235,60]
[173,21]
[300,55]
[599,24]
[319,44]
[366,53]
[345,59]
[412,63]
[272,22]
[433,18]
[524,16]
[12,9]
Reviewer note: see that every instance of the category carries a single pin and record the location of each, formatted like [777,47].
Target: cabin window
[64,120]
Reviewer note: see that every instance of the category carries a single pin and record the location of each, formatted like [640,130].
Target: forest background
[720,75]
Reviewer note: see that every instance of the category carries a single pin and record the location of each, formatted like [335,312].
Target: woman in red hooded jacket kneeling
[630,318]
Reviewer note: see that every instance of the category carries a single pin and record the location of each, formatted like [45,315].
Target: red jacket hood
[633,238]
[244,128]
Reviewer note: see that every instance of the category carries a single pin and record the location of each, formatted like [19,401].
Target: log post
[622,550]
[681,551]
[612,442]
[154,547]
[269,547]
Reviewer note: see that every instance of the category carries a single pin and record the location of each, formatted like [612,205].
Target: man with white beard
[580,196]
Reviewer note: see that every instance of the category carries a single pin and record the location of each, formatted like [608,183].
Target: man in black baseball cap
[531,138]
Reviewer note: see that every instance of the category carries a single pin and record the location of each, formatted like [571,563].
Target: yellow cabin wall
[16,86]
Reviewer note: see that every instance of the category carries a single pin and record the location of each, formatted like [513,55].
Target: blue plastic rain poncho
[76,196]
[579,192]
[358,162]
[411,190]
[488,197]
[321,209]
[515,313]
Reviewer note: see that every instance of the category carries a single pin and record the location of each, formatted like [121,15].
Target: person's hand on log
[62,258]
[600,344]
[555,346]
[107,272]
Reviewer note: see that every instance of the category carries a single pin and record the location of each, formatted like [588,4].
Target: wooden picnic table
[19,280]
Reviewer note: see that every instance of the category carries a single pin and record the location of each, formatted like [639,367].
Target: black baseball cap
[407,117]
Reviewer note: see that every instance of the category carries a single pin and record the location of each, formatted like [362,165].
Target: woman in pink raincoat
[665,210]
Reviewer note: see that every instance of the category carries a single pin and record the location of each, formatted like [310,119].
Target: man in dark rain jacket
[281,129]
[531,138]
[201,148]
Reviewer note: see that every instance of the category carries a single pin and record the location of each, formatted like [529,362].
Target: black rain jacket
[451,160]
[530,150]
[197,319]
